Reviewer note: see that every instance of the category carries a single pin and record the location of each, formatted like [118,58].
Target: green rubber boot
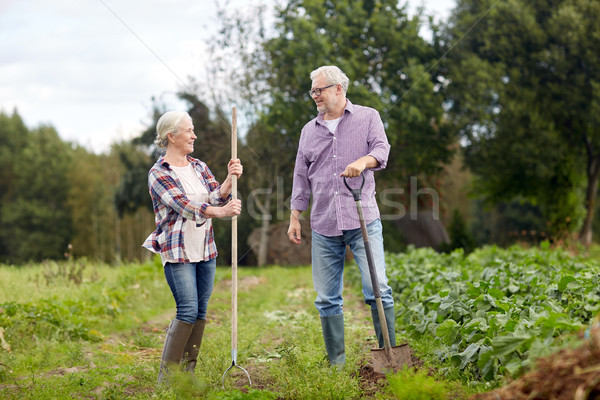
[192,347]
[390,318]
[333,334]
[177,336]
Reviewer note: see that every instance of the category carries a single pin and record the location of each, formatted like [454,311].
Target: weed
[147,340]
[250,394]
[411,384]
[68,271]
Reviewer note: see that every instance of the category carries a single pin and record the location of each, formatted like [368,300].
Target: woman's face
[183,140]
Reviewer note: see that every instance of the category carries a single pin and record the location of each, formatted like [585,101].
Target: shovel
[388,358]
[234,248]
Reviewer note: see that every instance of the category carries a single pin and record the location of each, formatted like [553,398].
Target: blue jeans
[191,285]
[328,254]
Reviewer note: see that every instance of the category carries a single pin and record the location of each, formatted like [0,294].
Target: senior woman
[186,196]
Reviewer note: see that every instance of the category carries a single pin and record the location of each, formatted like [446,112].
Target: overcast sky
[90,67]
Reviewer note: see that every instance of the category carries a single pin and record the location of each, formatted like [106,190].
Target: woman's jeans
[191,285]
[328,254]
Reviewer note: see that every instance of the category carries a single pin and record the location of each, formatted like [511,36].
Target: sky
[90,68]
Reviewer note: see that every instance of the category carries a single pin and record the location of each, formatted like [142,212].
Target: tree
[390,66]
[36,219]
[99,231]
[13,137]
[524,96]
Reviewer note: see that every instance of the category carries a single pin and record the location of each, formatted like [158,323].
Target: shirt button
[334,156]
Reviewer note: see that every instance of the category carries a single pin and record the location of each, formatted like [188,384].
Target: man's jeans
[328,254]
[191,285]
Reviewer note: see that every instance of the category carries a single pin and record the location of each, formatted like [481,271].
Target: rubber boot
[177,336]
[390,318]
[333,334]
[192,347]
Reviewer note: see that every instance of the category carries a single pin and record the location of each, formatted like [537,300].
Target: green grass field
[87,331]
[99,335]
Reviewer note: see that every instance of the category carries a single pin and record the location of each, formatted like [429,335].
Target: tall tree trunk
[593,174]
[263,248]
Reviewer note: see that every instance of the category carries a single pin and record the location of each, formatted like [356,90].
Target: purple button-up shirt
[323,156]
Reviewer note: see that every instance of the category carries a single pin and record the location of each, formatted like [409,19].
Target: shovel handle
[356,192]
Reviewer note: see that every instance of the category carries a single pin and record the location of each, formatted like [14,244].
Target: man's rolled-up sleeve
[379,147]
[300,186]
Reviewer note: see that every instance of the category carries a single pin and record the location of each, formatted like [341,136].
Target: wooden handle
[234,244]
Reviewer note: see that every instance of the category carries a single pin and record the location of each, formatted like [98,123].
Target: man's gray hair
[333,75]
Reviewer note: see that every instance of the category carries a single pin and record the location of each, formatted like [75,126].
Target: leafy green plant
[414,384]
[493,312]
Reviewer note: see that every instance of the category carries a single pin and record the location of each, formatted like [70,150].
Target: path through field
[278,329]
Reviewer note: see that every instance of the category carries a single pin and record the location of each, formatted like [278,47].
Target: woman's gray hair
[168,123]
[333,75]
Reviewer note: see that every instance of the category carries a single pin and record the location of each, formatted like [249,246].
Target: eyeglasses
[317,91]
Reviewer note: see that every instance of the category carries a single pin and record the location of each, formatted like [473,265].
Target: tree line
[509,88]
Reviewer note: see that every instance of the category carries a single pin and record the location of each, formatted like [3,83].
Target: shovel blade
[399,358]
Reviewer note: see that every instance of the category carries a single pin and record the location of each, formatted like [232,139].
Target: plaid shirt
[172,208]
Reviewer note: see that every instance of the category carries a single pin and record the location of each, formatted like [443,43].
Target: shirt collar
[161,161]
[349,108]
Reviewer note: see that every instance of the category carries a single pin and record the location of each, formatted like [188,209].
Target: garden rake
[234,248]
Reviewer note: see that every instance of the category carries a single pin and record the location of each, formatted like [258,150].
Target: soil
[373,382]
[572,374]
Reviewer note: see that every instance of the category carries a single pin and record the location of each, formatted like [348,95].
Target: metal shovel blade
[399,357]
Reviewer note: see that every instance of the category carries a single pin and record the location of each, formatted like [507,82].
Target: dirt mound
[572,374]
[373,382]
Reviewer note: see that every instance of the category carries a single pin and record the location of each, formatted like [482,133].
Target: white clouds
[90,68]
[438,8]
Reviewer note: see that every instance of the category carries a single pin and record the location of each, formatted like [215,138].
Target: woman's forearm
[226,187]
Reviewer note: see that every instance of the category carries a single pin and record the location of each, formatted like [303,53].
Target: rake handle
[234,243]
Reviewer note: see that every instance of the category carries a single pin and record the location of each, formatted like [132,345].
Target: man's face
[327,100]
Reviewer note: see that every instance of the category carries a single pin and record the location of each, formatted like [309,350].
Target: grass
[98,334]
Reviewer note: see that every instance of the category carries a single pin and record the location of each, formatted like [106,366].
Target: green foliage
[57,199]
[37,203]
[132,192]
[493,312]
[61,316]
[521,95]
[250,394]
[416,384]
[460,238]
[390,66]
[13,136]
[46,320]
[506,223]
